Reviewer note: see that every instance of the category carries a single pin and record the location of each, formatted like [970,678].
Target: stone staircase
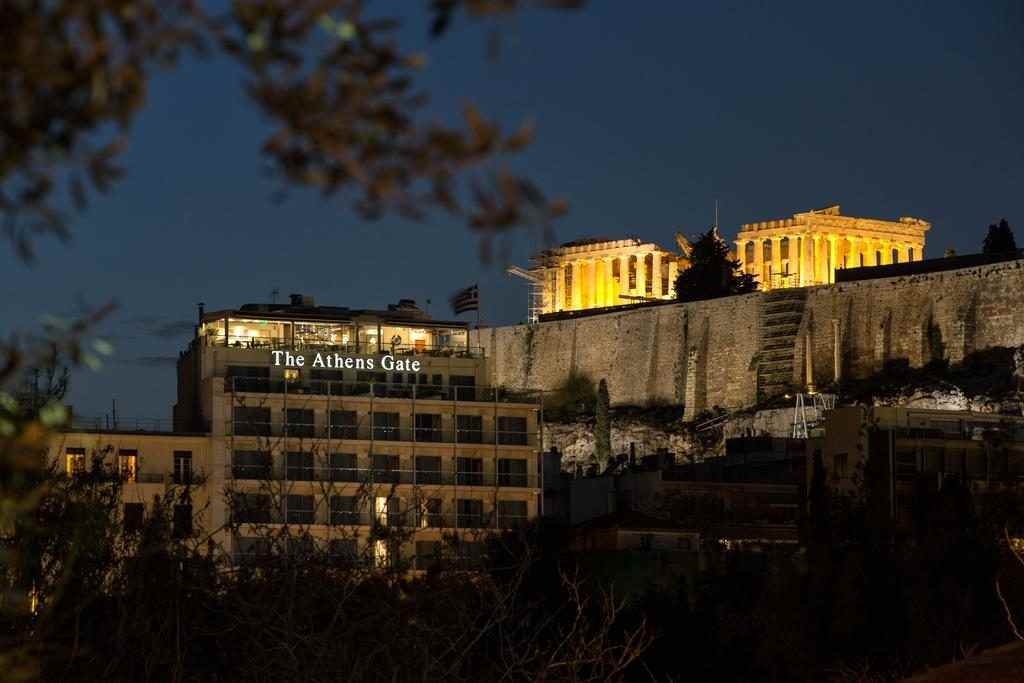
[781,313]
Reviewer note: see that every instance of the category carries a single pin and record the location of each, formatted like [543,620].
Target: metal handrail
[419,391]
[377,475]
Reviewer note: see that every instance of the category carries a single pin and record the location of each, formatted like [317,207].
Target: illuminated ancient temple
[807,248]
[597,273]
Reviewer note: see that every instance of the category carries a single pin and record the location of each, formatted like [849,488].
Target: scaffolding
[535,303]
[809,412]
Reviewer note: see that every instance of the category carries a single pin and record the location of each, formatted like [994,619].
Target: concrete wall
[705,353]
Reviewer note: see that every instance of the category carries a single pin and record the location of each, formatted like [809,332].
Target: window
[385,468]
[428,427]
[182,521]
[290,375]
[248,549]
[134,514]
[511,472]
[343,424]
[251,508]
[74,461]
[428,469]
[343,550]
[470,428]
[251,421]
[428,554]
[511,513]
[299,422]
[343,467]
[430,513]
[469,513]
[344,510]
[469,554]
[511,430]
[463,384]
[632,272]
[248,378]
[128,464]
[182,467]
[388,511]
[250,465]
[385,427]
[301,546]
[300,509]
[469,471]
[646,541]
[299,466]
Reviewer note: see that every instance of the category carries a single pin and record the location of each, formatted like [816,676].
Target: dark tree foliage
[999,239]
[711,273]
[340,94]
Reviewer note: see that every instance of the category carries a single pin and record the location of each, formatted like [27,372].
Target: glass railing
[314,387]
[365,432]
[363,348]
[371,475]
[409,519]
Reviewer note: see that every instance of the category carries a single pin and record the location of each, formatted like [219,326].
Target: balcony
[421,392]
[410,520]
[370,475]
[365,432]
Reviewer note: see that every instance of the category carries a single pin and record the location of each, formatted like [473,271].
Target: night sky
[644,119]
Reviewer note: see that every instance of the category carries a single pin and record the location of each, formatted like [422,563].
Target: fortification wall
[919,318]
[643,354]
[706,353]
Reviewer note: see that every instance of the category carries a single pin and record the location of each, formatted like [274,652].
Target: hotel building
[807,248]
[400,435]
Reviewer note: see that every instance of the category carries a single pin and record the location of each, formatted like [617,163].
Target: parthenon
[809,247]
[596,273]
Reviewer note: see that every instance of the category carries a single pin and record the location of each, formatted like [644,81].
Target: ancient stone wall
[706,354]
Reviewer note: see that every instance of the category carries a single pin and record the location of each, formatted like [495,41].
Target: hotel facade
[382,444]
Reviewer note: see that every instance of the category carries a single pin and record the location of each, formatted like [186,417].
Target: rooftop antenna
[273,295]
[716,215]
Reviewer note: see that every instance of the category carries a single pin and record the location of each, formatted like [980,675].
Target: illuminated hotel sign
[334,360]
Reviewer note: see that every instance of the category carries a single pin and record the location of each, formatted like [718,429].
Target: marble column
[673,273]
[577,285]
[592,284]
[741,255]
[559,289]
[833,257]
[758,269]
[776,261]
[816,251]
[656,283]
[641,275]
[623,278]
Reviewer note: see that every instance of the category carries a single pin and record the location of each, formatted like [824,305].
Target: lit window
[128,464]
[75,461]
[291,374]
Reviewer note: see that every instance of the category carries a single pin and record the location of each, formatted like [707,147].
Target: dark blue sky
[646,114]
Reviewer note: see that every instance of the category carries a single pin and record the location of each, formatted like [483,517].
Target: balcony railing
[363,347]
[370,475]
[410,520]
[422,392]
[365,432]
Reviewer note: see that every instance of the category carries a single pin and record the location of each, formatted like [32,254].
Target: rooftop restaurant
[301,325]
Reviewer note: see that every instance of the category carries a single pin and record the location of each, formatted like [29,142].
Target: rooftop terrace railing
[366,348]
[368,432]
